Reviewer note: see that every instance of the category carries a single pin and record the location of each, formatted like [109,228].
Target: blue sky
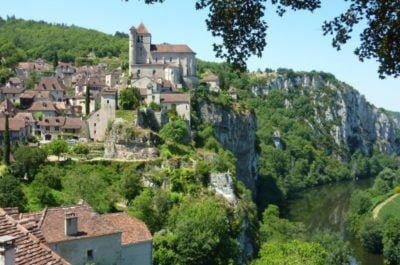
[294,41]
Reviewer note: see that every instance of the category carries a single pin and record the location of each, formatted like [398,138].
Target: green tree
[87,100]
[130,184]
[293,253]
[6,141]
[28,160]
[81,149]
[129,98]
[11,194]
[33,79]
[57,147]
[55,60]
[338,250]
[176,131]
[391,241]
[360,202]
[203,234]
[371,235]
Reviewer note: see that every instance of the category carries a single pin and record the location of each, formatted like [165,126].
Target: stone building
[98,121]
[81,236]
[173,62]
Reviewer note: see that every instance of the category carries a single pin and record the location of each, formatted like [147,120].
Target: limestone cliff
[237,133]
[351,121]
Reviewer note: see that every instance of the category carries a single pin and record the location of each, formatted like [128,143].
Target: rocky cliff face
[355,124]
[237,133]
[123,143]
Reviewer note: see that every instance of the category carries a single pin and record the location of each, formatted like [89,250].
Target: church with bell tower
[175,63]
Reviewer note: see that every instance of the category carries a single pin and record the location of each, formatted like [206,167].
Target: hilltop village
[45,103]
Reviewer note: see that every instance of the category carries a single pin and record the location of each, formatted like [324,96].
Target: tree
[11,194]
[55,60]
[242,28]
[6,141]
[57,147]
[129,98]
[371,235]
[175,131]
[87,100]
[130,183]
[391,241]
[293,252]
[28,160]
[81,149]
[202,233]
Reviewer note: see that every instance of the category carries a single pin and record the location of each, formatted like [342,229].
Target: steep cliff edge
[237,133]
[338,111]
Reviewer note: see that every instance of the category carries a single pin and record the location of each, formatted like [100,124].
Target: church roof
[171,48]
[142,29]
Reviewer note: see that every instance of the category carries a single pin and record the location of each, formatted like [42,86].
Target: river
[324,208]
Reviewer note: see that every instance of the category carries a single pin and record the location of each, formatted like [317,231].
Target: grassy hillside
[41,40]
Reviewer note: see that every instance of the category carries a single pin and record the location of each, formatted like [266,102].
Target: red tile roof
[175,98]
[52,121]
[42,106]
[133,230]
[29,249]
[14,80]
[14,124]
[171,48]
[90,224]
[27,116]
[12,90]
[73,123]
[142,29]
[210,78]
[7,105]
[30,94]
[50,84]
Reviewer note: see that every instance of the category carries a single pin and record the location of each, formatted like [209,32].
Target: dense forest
[39,39]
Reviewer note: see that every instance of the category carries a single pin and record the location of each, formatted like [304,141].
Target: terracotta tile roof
[30,94]
[73,123]
[42,106]
[50,84]
[29,249]
[174,98]
[133,230]
[108,92]
[211,78]
[14,80]
[52,121]
[27,116]
[14,124]
[60,105]
[11,90]
[90,224]
[171,48]
[142,29]
[7,105]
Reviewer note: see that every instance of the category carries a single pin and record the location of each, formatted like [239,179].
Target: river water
[324,208]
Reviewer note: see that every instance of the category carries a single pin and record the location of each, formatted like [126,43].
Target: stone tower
[139,46]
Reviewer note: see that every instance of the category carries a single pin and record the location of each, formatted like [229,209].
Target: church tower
[139,46]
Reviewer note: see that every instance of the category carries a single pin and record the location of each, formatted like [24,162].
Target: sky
[294,41]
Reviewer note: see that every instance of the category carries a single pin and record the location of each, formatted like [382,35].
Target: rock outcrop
[237,133]
[122,143]
[355,124]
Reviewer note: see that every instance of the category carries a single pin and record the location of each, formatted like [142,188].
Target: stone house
[212,82]
[15,82]
[79,102]
[50,128]
[48,108]
[54,85]
[19,130]
[65,71]
[19,245]
[98,121]
[11,93]
[173,62]
[29,96]
[81,236]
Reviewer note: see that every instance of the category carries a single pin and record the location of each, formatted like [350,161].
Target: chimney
[7,250]
[71,224]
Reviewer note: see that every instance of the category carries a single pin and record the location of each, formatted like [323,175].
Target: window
[94,124]
[170,59]
[154,72]
[108,101]
[47,128]
[89,254]
[94,131]
[156,59]
[138,39]
[56,128]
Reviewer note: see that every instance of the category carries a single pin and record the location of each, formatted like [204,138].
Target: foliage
[129,98]
[6,141]
[202,233]
[175,131]
[81,149]
[130,183]
[87,100]
[293,252]
[391,241]
[41,39]
[28,160]
[57,147]
[338,251]
[11,194]
[371,235]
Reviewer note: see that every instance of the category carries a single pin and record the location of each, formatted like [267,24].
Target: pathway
[378,208]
